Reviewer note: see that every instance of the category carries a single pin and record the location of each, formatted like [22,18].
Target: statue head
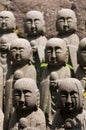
[34,45]
[70,95]
[34,23]
[66,22]
[82,53]
[7,21]
[53,80]
[56,52]
[18,74]
[26,94]
[4,43]
[20,51]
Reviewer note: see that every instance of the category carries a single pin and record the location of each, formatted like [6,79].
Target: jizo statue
[53,87]
[81,69]
[7,25]
[81,54]
[4,63]
[35,29]
[56,55]
[21,57]
[21,66]
[71,115]
[66,25]
[4,55]
[27,114]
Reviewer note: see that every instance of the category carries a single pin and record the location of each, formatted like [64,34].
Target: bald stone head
[7,21]
[4,43]
[53,80]
[34,23]
[56,52]
[70,95]
[26,94]
[66,22]
[20,51]
[82,53]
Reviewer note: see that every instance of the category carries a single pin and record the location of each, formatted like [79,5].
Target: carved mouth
[69,107]
[18,57]
[4,26]
[66,28]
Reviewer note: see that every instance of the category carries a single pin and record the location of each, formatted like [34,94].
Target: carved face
[20,51]
[56,52]
[7,21]
[70,95]
[66,21]
[25,94]
[82,53]
[4,44]
[53,80]
[34,23]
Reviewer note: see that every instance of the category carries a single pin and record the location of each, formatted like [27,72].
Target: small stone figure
[66,25]
[53,86]
[21,66]
[56,55]
[27,113]
[71,115]
[35,29]
[7,25]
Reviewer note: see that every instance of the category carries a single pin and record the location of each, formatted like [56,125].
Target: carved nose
[69,99]
[65,24]
[53,55]
[3,21]
[22,99]
[33,25]
[17,52]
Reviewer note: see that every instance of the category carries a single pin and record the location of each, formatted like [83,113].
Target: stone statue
[35,29]
[27,113]
[81,69]
[21,66]
[7,25]
[21,57]
[4,50]
[53,86]
[56,55]
[81,54]
[4,62]
[71,115]
[66,25]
